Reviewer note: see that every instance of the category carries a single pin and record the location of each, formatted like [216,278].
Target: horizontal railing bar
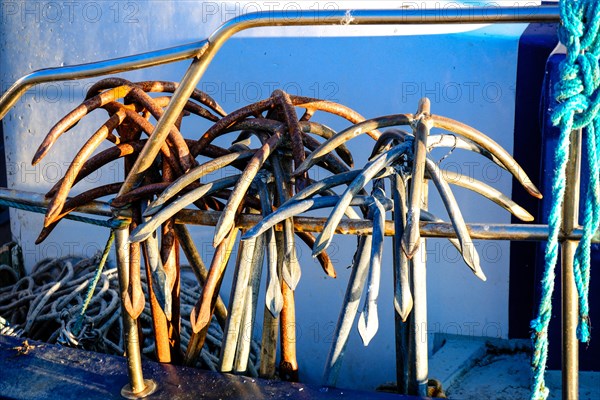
[99,68]
[408,16]
[521,232]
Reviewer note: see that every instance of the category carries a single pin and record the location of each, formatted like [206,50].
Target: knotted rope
[578,96]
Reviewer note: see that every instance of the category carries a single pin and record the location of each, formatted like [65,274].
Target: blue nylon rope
[578,95]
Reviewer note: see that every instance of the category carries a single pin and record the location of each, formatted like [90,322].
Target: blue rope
[578,95]
[110,223]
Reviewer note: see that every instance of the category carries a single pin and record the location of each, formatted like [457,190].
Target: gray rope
[47,304]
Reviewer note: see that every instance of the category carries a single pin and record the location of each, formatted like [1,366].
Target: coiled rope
[578,96]
[48,304]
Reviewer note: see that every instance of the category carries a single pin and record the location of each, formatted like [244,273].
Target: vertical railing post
[418,322]
[137,387]
[570,307]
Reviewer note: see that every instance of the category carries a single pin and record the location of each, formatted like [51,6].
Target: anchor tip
[41,237]
[219,236]
[410,248]
[37,158]
[481,275]
[319,248]
[534,191]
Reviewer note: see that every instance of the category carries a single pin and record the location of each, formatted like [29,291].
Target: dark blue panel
[535,45]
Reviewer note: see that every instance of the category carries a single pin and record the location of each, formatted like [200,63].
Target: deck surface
[54,372]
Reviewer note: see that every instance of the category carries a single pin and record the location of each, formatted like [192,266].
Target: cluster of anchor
[276,150]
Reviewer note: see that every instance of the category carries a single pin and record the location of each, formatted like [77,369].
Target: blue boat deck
[52,372]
